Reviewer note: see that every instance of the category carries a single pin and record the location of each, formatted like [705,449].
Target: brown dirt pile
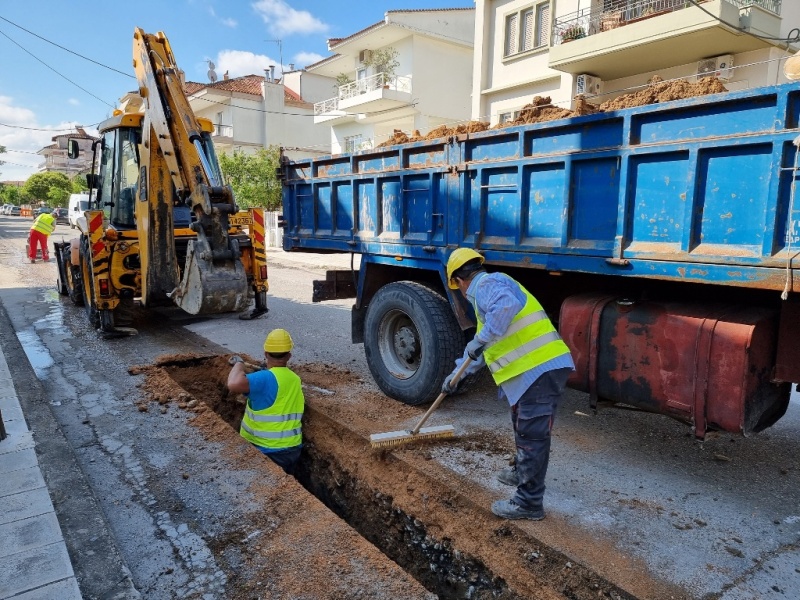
[541,109]
[659,90]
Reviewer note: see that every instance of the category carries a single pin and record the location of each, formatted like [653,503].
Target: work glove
[235,359]
[447,386]
[474,349]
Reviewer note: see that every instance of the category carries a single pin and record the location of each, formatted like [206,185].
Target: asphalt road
[719,519]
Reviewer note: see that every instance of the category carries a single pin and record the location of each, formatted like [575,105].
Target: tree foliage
[253,177]
[51,188]
[11,194]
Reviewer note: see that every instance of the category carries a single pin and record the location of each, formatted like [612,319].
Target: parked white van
[78,203]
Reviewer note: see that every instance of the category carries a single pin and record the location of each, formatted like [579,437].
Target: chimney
[272,72]
[225,77]
[291,66]
[266,75]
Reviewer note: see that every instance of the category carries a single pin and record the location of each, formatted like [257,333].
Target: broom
[397,438]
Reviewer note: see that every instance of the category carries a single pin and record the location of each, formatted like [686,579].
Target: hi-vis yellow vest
[44,223]
[530,341]
[278,426]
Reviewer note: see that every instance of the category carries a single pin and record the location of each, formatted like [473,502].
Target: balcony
[369,95]
[638,36]
[222,134]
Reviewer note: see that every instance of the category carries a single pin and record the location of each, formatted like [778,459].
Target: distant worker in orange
[41,229]
[275,402]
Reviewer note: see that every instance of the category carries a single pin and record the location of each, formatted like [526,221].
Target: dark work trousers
[532,417]
[285,459]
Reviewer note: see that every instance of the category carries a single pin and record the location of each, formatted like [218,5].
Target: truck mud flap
[209,286]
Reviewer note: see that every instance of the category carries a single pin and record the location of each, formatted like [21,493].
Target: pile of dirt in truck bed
[423,515]
[542,109]
[659,90]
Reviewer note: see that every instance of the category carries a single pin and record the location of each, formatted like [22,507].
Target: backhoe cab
[162,226]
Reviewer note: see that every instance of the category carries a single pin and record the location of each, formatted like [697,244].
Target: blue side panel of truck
[698,190]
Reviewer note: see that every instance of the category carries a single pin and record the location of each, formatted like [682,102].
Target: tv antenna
[280,52]
[212,74]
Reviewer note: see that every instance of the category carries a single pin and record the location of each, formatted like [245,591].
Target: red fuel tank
[708,364]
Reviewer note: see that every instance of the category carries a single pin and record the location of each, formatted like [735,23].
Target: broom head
[398,438]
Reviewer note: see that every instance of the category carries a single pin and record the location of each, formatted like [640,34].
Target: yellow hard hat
[278,341]
[458,258]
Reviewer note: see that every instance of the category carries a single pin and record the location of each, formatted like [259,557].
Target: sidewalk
[34,563]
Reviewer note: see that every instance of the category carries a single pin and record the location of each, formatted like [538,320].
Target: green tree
[11,194]
[51,188]
[2,151]
[253,177]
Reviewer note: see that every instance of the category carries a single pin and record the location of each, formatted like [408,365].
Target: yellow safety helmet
[278,341]
[458,258]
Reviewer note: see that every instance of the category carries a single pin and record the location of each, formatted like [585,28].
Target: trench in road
[446,539]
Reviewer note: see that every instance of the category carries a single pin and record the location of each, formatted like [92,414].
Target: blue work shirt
[263,393]
[498,299]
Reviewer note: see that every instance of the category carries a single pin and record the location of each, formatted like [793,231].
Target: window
[507,117]
[352,143]
[527,29]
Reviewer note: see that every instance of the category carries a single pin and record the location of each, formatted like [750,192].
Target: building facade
[604,48]
[257,111]
[56,159]
[391,76]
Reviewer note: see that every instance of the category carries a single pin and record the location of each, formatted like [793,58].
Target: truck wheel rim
[398,344]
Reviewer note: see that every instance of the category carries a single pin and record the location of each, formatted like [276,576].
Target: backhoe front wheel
[411,341]
[87,289]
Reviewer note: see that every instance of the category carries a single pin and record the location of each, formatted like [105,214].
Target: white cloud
[74,102]
[24,136]
[282,19]
[239,62]
[303,59]
[229,23]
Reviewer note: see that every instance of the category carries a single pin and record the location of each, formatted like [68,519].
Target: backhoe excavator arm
[178,166]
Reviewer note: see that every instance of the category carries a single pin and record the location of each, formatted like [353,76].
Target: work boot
[508,476]
[508,509]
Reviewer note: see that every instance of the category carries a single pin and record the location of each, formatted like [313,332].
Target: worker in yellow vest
[41,229]
[275,402]
[528,361]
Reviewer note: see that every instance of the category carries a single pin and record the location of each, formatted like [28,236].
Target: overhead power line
[54,70]
[67,49]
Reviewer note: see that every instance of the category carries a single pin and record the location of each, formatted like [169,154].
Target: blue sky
[45,90]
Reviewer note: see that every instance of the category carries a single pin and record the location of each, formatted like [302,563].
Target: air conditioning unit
[720,67]
[588,86]
[364,56]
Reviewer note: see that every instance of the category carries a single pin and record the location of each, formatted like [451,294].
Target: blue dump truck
[660,239]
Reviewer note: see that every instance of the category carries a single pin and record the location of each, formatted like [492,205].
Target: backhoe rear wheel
[411,341]
[87,289]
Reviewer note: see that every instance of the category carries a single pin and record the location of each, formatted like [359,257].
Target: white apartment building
[424,83]
[604,48]
[56,159]
[257,111]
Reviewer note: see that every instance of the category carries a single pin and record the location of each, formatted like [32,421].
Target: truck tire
[71,285]
[411,341]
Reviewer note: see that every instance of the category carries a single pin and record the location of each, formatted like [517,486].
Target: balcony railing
[223,131]
[362,86]
[619,13]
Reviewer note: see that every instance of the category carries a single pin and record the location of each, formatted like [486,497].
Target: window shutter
[512,28]
[527,30]
[543,25]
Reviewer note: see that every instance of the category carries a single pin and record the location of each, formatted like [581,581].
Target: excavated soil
[541,109]
[425,518]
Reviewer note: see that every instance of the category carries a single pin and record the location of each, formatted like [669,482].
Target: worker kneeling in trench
[275,402]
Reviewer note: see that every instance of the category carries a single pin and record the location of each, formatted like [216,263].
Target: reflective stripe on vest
[278,426]
[45,223]
[530,341]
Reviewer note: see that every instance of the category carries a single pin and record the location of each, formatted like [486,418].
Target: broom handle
[438,401]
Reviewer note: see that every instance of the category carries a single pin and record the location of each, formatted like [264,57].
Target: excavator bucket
[211,286]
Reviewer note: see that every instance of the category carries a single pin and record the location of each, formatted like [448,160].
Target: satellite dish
[792,68]
[212,75]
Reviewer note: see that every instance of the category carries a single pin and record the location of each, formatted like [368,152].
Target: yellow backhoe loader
[162,227]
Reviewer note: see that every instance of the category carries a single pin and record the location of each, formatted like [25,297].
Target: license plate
[240,220]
